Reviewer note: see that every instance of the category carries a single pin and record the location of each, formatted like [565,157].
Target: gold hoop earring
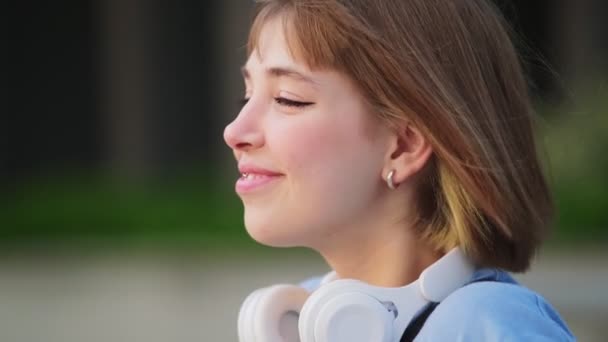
[389,180]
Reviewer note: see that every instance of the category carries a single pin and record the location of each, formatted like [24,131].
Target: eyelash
[291,103]
[283,102]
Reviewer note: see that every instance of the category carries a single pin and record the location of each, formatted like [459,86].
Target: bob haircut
[450,68]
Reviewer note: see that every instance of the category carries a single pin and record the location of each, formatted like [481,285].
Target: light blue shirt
[492,307]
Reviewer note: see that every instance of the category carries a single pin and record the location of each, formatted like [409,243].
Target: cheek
[331,165]
[314,149]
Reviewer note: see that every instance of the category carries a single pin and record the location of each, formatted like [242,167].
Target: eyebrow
[277,72]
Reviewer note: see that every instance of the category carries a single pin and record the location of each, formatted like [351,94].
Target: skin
[314,129]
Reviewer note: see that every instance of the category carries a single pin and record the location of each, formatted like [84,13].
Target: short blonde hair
[450,68]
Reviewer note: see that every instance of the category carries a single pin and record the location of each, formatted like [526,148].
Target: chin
[270,236]
[273,234]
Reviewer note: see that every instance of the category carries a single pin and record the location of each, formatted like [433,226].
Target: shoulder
[311,284]
[495,310]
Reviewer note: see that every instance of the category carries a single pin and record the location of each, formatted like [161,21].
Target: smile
[249,182]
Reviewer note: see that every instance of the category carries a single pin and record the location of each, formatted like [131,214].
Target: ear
[407,154]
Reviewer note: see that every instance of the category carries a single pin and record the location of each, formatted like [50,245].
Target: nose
[245,133]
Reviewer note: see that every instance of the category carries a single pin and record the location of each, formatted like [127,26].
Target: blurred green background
[198,207]
[113,148]
[120,108]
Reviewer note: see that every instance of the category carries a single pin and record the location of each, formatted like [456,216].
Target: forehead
[272,47]
[276,46]
[272,57]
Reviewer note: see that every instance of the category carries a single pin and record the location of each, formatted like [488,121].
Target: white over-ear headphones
[346,309]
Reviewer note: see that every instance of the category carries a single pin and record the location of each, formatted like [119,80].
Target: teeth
[249,176]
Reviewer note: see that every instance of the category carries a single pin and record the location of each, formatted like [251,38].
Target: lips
[254,178]
[247,169]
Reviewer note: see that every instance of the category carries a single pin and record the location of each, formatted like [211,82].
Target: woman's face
[309,151]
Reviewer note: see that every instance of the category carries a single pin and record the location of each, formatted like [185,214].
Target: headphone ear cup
[246,315]
[344,311]
[314,304]
[276,313]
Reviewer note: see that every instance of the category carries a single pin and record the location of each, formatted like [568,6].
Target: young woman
[395,138]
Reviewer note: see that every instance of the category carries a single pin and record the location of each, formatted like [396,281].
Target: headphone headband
[435,283]
[446,275]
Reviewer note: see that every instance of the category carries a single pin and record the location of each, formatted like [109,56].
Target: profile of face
[310,152]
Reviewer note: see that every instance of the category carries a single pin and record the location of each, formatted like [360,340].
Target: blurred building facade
[138,87]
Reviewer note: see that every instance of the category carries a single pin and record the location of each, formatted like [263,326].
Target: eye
[291,103]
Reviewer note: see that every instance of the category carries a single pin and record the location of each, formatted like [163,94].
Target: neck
[383,253]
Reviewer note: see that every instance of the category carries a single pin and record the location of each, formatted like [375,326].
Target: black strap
[416,325]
